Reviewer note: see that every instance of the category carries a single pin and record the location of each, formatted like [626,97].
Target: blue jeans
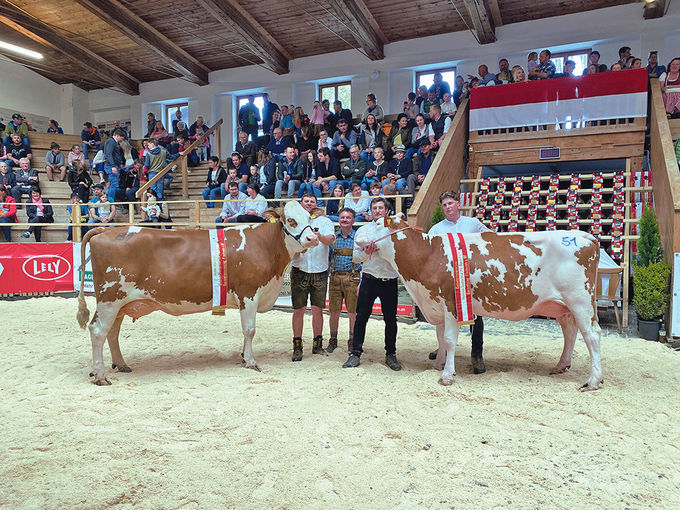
[308,187]
[69,231]
[333,183]
[210,194]
[87,146]
[410,152]
[367,156]
[400,184]
[113,182]
[158,185]
[6,229]
[291,187]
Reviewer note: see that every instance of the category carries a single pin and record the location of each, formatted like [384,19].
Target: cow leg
[116,357]
[447,334]
[248,316]
[590,330]
[569,332]
[101,324]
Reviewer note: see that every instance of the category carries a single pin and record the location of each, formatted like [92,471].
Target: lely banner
[36,267]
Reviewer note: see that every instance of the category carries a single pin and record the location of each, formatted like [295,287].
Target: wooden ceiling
[122,43]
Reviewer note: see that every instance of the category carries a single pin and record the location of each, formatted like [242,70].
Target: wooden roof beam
[654,9]
[116,14]
[260,42]
[13,16]
[359,17]
[495,13]
[482,20]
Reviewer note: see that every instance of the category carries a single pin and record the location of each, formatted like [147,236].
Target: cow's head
[382,233]
[295,222]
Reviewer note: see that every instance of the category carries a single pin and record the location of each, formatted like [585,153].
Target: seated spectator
[242,172]
[485,77]
[91,138]
[84,216]
[376,170]
[26,178]
[324,141]
[129,152]
[592,69]
[439,87]
[318,119]
[421,165]
[16,126]
[305,142]
[79,180]
[654,70]
[254,206]
[54,162]
[545,69]
[374,190]
[448,107]
[431,99]
[504,73]
[183,144]
[7,178]
[474,82]
[421,96]
[101,210]
[354,169]
[343,139]
[518,75]
[38,210]
[421,129]
[532,61]
[231,208]
[310,184]
[155,211]
[254,177]
[216,176]
[53,127]
[327,170]
[269,177]
[458,91]
[637,63]
[398,169]
[439,126]
[335,203]
[277,145]
[629,62]
[246,148]
[130,181]
[16,151]
[370,137]
[327,115]
[150,124]
[76,154]
[594,59]
[289,174]
[181,129]
[400,134]
[8,212]
[161,134]
[373,108]
[411,109]
[670,86]
[357,200]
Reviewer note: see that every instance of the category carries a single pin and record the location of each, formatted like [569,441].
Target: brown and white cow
[513,276]
[139,270]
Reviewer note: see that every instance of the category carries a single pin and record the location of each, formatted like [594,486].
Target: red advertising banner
[39,267]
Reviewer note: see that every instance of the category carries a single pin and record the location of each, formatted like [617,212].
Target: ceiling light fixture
[21,51]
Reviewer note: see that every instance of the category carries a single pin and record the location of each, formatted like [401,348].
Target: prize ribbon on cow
[483,198]
[617,223]
[218,260]
[514,206]
[461,275]
[534,201]
[596,206]
[497,204]
[551,203]
[572,201]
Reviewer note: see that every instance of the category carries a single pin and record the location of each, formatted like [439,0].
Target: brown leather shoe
[478,365]
[317,345]
[332,345]
[297,349]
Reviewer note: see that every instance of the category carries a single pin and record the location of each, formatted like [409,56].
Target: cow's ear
[271,215]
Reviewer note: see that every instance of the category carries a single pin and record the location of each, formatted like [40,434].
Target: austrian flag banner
[585,98]
[36,267]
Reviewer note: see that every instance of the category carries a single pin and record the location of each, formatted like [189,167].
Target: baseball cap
[98,185]
[17,116]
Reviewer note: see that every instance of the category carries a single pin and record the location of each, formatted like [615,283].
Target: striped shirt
[343,245]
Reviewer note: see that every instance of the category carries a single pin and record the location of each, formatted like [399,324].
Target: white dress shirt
[230,209]
[375,265]
[315,259]
[258,204]
[464,225]
[360,206]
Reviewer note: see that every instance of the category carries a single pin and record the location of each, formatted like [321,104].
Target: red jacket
[9,208]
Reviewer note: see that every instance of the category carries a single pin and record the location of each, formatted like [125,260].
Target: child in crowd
[374,190]
[202,149]
[532,59]
[84,215]
[254,177]
[335,203]
[318,117]
[152,209]
[76,153]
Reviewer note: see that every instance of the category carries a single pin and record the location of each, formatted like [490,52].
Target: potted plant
[651,293]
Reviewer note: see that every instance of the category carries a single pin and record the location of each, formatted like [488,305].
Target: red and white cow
[139,270]
[513,276]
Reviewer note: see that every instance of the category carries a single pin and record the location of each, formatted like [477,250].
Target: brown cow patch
[588,258]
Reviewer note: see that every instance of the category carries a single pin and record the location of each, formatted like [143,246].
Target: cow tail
[83,312]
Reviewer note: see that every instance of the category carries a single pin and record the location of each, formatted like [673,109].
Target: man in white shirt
[254,206]
[378,280]
[309,277]
[231,210]
[457,224]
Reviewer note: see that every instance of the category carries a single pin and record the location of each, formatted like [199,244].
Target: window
[171,110]
[335,91]
[580,57]
[427,77]
[259,104]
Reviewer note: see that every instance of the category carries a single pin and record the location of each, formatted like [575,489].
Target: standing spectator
[175,121]
[114,161]
[624,53]
[373,108]
[398,170]
[287,127]
[343,139]
[161,134]
[378,280]
[76,154]
[545,69]
[305,142]
[92,141]
[439,87]
[8,212]
[17,151]
[216,176]
[485,77]
[289,174]
[101,210]
[342,113]
[246,149]
[318,118]
[637,63]
[344,279]
[155,161]
[233,204]
[84,216]
[354,169]
[150,124]
[79,180]
[254,206]
[53,127]
[16,126]
[458,91]
[370,137]
[54,162]
[439,126]
[594,59]
[309,277]
[518,74]
[26,179]
[411,109]
[300,119]
[268,109]
[249,118]
[7,178]
[670,86]
[532,61]
[654,70]
[421,97]
[197,129]
[38,210]
[504,73]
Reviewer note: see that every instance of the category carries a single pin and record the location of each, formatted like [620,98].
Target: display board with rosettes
[596,206]
[534,202]
[482,198]
[515,203]
[617,218]
[572,202]
[551,203]
[498,204]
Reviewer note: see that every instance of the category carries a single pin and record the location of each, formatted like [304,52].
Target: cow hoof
[252,366]
[102,382]
[559,370]
[444,381]
[591,387]
[125,369]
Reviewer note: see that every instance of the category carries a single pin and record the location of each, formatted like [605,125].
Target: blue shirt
[342,262]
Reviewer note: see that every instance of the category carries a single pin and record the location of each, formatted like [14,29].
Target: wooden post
[75,226]
[131,213]
[185,182]
[218,142]
[197,214]
[626,242]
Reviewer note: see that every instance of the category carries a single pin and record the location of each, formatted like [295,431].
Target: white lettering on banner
[50,267]
[46,267]
[77,264]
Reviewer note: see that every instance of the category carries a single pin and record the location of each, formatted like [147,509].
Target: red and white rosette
[514,206]
[534,201]
[498,204]
[218,258]
[596,207]
[551,203]
[572,201]
[617,223]
[482,199]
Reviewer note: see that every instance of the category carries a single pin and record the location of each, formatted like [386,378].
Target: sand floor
[190,428]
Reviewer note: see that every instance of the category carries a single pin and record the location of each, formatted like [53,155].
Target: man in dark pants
[378,280]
